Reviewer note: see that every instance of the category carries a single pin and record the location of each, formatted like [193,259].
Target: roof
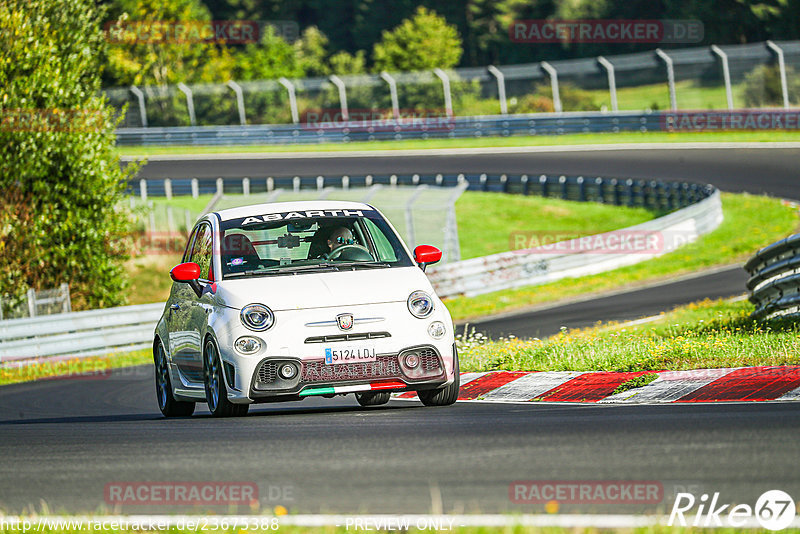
[284,207]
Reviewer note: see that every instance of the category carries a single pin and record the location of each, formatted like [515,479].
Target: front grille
[429,360]
[385,366]
[347,337]
[268,372]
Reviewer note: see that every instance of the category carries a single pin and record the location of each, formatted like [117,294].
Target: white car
[278,302]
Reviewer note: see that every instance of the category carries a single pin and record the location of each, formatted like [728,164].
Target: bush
[60,177]
[762,86]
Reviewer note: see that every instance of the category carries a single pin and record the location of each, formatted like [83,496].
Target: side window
[202,251]
[385,250]
[188,252]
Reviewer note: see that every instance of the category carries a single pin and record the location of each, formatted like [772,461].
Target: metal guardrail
[775,279]
[77,334]
[131,327]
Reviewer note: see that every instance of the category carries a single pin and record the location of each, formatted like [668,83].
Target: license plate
[350,354]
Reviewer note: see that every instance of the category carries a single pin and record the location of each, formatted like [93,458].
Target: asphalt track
[63,441]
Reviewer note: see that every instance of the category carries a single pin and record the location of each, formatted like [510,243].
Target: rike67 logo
[774,510]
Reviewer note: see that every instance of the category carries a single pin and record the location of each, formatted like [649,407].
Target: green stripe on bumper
[317,391]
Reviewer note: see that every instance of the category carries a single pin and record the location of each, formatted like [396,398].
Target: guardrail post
[368,180]
[504,183]
[296,184]
[581,189]
[345,182]
[320,182]
[31,294]
[270,184]
[220,186]
[168,188]
[195,188]
[142,109]
[415,179]
[189,102]
[673,103]
[143,189]
[439,179]
[543,185]
[601,194]
[392,93]
[782,67]
[563,181]
[292,98]
[629,191]
[524,180]
[612,81]
[615,190]
[246,186]
[551,72]
[448,100]
[342,95]
[726,73]
[484,182]
[501,88]
[239,101]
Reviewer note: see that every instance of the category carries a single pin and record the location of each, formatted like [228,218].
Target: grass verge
[482,142]
[703,335]
[751,222]
[93,367]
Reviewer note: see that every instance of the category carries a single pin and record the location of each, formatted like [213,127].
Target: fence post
[143,189]
[345,182]
[168,188]
[239,101]
[320,182]
[142,109]
[31,302]
[246,186]
[66,306]
[292,98]
[342,95]
[726,73]
[187,220]
[270,184]
[189,102]
[195,188]
[410,214]
[296,184]
[673,103]
[220,186]
[782,67]
[501,88]
[170,221]
[152,217]
[551,72]
[448,101]
[392,93]
[612,81]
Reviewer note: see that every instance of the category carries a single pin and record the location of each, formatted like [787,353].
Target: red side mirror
[185,272]
[426,254]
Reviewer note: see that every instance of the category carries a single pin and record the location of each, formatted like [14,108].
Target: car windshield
[300,242]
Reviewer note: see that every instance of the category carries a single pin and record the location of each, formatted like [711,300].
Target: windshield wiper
[286,269]
[368,264]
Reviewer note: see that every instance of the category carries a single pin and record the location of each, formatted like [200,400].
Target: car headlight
[248,345]
[257,317]
[420,304]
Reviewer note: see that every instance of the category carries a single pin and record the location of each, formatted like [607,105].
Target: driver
[340,237]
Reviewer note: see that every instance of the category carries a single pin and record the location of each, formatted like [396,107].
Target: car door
[187,312]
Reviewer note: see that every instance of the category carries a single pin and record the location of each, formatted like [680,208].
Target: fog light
[287,371]
[436,330]
[412,360]
[248,345]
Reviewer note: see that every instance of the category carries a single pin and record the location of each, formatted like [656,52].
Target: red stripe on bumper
[590,387]
[751,384]
[486,383]
[387,385]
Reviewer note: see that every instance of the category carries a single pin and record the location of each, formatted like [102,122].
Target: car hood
[319,290]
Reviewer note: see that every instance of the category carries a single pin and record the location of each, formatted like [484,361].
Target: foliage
[311,52]
[425,41]
[59,173]
[269,59]
[762,86]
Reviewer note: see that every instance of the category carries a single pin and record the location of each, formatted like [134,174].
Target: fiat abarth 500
[278,302]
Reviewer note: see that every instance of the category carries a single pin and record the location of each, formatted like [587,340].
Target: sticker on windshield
[308,214]
[236,261]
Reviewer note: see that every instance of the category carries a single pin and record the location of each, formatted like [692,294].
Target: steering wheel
[337,252]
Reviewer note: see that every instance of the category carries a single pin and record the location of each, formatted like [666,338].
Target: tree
[422,42]
[61,218]
[311,52]
[268,59]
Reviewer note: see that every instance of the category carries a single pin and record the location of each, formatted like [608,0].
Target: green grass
[708,334]
[751,222]
[482,142]
[93,366]
[633,383]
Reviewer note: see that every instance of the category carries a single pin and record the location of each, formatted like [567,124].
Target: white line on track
[460,151]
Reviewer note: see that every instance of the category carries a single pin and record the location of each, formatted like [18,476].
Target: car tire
[444,396]
[166,401]
[214,381]
[372,398]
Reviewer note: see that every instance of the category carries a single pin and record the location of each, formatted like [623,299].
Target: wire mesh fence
[756,75]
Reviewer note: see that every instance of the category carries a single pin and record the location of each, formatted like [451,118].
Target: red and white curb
[766,383]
